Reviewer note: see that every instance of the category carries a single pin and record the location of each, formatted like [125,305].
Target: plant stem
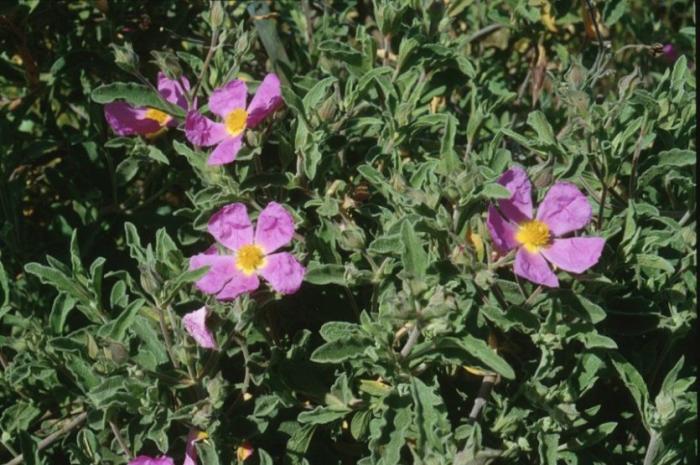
[412,340]
[120,439]
[652,448]
[207,59]
[51,438]
[487,383]
[166,338]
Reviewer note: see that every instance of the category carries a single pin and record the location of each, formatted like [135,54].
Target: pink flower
[190,453]
[229,102]
[146,460]
[249,255]
[669,53]
[196,325]
[564,209]
[127,120]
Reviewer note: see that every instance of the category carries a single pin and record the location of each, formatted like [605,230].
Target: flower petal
[231,226]
[127,120]
[519,207]
[239,284]
[174,90]
[564,209]
[533,267]
[146,460]
[225,152]
[275,227]
[283,272]
[575,254]
[228,97]
[502,232]
[221,269]
[267,99]
[196,325]
[202,131]
[190,449]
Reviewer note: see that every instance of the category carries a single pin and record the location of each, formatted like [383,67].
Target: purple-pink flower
[127,120]
[249,253]
[190,453]
[146,460]
[196,326]
[539,240]
[669,53]
[229,103]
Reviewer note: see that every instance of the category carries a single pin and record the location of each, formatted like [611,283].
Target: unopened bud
[216,14]
[126,58]
[151,281]
[327,110]
[168,63]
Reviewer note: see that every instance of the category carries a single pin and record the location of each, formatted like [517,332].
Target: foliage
[399,118]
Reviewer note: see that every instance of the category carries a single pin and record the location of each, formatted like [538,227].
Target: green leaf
[137,95]
[323,274]
[339,350]
[321,415]
[496,191]
[430,418]
[635,384]
[413,256]
[539,123]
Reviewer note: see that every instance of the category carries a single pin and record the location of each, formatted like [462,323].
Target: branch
[412,340]
[484,391]
[652,448]
[120,439]
[53,437]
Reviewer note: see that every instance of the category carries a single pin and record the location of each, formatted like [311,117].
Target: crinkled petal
[275,228]
[225,152]
[519,207]
[228,97]
[533,267]
[239,284]
[196,325]
[283,272]
[202,131]
[221,269]
[267,99]
[501,230]
[575,254]
[146,460]
[174,90]
[127,120]
[190,448]
[231,226]
[564,209]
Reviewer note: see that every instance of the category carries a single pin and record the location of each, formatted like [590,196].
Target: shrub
[381,232]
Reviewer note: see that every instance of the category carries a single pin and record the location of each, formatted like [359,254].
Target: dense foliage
[411,339]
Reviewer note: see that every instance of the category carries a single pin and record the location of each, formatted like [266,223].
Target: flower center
[160,117]
[249,258]
[235,121]
[533,235]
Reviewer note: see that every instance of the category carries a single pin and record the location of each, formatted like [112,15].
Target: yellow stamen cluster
[250,258]
[235,121]
[533,235]
[160,117]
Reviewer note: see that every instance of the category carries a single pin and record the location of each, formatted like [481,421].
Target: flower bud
[216,14]
[151,281]
[126,58]
[352,238]
[168,63]
[327,110]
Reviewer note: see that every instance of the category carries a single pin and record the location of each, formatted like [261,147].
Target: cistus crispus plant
[371,232]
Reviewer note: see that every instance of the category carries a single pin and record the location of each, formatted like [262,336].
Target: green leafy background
[399,117]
